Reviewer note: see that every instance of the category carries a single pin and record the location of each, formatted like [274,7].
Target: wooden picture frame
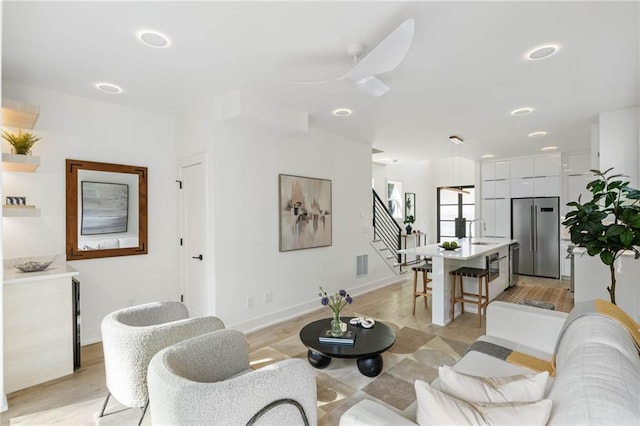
[135,242]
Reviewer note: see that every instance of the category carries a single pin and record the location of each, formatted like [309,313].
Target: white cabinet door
[577,186]
[503,218]
[565,264]
[502,170]
[521,168]
[547,166]
[488,189]
[502,189]
[578,163]
[548,186]
[488,171]
[488,208]
[522,188]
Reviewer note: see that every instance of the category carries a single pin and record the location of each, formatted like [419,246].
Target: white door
[193,227]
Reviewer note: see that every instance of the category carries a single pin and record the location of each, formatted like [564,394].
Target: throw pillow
[438,408]
[522,388]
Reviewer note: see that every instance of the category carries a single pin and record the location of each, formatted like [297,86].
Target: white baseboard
[273,318]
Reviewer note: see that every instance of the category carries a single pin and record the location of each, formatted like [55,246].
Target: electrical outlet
[250,302]
[268,297]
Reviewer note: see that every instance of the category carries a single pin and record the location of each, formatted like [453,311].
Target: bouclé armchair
[207,380]
[132,336]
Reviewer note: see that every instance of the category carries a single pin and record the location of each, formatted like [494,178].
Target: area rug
[524,293]
[415,355]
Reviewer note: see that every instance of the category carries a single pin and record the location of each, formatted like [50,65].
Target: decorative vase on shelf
[336,329]
[408,228]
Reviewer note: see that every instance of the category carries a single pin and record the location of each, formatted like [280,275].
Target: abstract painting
[105,208]
[305,212]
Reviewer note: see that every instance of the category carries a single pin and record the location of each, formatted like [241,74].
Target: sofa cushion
[438,408]
[520,388]
[598,375]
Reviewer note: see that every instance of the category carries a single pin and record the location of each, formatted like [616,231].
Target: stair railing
[385,227]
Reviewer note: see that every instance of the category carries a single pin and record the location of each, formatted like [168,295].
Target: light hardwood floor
[75,399]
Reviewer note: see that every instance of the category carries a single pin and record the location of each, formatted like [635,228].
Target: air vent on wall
[362,265]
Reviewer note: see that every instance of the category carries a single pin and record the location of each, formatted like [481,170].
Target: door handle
[197,257]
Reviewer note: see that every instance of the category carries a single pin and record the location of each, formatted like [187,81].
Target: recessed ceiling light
[549,148]
[109,88]
[537,134]
[542,52]
[342,112]
[153,39]
[487,156]
[521,111]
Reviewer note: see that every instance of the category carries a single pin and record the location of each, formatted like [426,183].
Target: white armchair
[132,336]
[207,380]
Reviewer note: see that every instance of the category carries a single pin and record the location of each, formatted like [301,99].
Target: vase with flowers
[336,302]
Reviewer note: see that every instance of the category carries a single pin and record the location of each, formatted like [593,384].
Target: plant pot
[408,228]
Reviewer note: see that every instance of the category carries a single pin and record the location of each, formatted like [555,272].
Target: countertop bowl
[34,264]
[449,248]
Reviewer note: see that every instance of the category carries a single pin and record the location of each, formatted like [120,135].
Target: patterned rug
[528,293]
[415,355]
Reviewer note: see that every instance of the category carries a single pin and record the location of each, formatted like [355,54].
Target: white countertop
[58,269]
[465,250]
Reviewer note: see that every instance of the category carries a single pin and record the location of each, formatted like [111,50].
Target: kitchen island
[472,254]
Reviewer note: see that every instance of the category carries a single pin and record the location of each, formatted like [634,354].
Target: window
[452,206]
[394,199]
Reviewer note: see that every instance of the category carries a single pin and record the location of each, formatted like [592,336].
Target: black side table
[369,345]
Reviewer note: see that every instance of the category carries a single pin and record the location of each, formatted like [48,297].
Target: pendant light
[456,140]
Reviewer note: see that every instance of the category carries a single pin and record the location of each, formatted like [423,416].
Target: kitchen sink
[482,243]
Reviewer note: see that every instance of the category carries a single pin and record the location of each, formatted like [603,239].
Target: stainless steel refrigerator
[535,224]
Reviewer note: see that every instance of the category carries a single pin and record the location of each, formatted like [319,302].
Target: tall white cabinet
[495,193]
[515,178]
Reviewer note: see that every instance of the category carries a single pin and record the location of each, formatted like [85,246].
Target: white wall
[3,396]
[83,129]
[619,144]
[244,160]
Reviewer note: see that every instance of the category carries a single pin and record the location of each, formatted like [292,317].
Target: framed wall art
[409,204]
[304,212]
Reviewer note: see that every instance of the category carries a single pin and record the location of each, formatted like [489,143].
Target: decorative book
[348,338]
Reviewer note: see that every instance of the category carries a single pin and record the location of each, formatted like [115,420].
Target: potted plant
[608,224]
[409,219]
[22,142]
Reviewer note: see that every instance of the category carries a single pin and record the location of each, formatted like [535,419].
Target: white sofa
[598,368]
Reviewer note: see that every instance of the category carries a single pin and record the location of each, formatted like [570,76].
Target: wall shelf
[19,163]
[14,211]
[19,114]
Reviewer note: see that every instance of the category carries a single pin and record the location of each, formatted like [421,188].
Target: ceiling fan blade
[387,55]
[372,86]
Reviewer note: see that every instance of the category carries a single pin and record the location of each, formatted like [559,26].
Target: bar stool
[482,300]
[426,290]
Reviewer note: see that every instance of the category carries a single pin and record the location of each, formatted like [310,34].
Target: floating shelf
[19,163]
[16,211]
[19,114]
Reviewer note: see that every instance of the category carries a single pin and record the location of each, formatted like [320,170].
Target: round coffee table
[369,345]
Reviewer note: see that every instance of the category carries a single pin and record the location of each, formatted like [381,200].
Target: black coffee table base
[368,366]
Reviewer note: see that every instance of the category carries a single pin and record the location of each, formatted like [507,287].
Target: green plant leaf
[606,257]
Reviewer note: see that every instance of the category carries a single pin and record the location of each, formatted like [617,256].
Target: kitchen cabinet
[565,264]
[579,163]
[577,188]
[497,215]
[495,170]
[547,165]
[521,168]
[502,189]
[522,187]
[548,186]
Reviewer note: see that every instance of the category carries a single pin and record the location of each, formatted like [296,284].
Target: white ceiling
[464,72]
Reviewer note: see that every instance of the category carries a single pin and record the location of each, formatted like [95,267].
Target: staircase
[387,235]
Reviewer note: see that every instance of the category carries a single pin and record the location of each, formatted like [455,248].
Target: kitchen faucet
[484,226]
